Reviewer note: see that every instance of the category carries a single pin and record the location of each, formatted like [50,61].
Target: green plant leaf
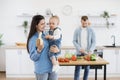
[1,43]
[25,24]
[1,36]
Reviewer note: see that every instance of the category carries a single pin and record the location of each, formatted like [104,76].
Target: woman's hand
[54,49]
[39,46]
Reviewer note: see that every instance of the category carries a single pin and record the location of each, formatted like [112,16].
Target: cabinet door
[27,66]
[110,56]
[12,61]
[118,61]
[2,59]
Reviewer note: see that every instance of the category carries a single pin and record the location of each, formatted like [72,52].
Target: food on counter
[73,58]
[63,60]
[80,57]
[93,57]
[68,55]
[66,60]
[87,57]
[90,57]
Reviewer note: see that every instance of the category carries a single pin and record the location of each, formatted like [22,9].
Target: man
[84,42]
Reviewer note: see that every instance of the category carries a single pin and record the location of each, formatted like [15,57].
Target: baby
[54,37]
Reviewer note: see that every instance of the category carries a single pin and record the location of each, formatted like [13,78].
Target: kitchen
[13,14]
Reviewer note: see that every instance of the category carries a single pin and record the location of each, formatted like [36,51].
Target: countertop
[63,47]
[99,61]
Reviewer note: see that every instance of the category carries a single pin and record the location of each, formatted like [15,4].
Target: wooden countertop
[99,61]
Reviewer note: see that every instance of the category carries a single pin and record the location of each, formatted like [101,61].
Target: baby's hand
[49,37]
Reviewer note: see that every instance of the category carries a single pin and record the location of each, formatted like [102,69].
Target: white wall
[13,32]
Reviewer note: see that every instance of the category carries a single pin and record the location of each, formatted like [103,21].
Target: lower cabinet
[2,59]
[18,63]
[118,62]
[27,65]
[110,56]
[12,62]
[113,57]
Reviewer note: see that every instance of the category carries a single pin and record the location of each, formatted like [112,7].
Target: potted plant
[1,43]
[106,16]
[25,25]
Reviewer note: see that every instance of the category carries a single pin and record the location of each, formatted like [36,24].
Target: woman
[40,54]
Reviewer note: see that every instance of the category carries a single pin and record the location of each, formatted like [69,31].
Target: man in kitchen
[84,42]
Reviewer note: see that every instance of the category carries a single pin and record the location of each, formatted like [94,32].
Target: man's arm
[93,40]
[75,41]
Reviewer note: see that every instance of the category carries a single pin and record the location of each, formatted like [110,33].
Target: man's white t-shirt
[84,38]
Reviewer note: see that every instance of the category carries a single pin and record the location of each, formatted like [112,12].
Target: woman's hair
[35,21]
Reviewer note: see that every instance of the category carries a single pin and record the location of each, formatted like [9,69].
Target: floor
[2,77]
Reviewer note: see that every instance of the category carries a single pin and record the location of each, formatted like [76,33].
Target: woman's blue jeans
[47,76]
[77,72]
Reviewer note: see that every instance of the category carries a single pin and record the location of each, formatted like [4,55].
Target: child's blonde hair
[56,17]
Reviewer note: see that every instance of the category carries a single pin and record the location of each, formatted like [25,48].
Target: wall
[10,22]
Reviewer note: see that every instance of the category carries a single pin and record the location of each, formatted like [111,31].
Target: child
[54,37]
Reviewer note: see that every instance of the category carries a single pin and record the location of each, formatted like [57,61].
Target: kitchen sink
[110,46]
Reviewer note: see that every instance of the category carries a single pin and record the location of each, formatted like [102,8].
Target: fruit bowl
[20,44]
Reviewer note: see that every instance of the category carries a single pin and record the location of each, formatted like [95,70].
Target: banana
[39,41]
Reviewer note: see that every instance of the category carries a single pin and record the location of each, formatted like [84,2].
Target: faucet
[113,36]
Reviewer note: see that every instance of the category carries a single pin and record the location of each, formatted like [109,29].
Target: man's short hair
[84,18]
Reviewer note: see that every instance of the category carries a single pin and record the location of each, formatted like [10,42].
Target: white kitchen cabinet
[2,59]
[111,55]
[12,62]
[27,66]
[118,61]
[18,63]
